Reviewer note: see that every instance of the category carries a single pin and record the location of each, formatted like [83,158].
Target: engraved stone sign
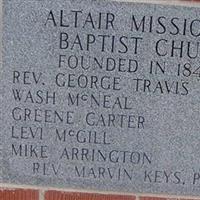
[101,95]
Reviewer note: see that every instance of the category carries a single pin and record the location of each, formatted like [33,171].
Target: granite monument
[101,95]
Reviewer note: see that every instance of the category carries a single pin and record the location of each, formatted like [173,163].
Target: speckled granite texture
[101,95]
